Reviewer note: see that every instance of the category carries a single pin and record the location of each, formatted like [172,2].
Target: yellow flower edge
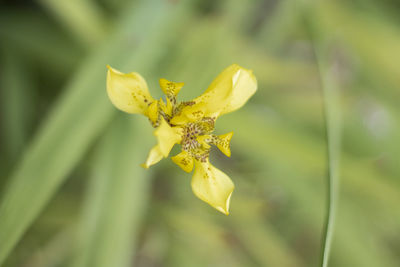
[167,137]
[184,160]
[212,186]
[155,155]
[128,92]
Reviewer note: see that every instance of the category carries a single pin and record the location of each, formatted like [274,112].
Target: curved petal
[204,140]
[212,186]
[167,137]
[190,114]
[184,160]
[244,85]
[166,108]
[154,156]
[128,92]
[170,88]
[223,143]
[228,92]
[152,112]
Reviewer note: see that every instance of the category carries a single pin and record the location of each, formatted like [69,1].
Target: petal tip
[212,186]
[184,160]
[154,157]
[222,210]
[127,92]
[144,166]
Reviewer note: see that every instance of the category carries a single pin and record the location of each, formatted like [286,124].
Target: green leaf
[16,92]
[79,116]
[38,39]
[115,199]
[84,19]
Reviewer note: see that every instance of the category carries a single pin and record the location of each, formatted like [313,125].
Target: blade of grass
[332,128]
[39,40]
[78,118]
[303,185]
[83,18]
[351,243]
[16,92]
[116,198]
[54,252]
[296,148]
[331,108]
[372,41]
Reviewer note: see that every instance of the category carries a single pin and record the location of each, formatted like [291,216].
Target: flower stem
[332,174]
[331,114]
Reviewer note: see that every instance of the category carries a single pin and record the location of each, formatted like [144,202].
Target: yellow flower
[190,124]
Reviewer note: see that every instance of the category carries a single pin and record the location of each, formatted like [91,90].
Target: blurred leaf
[214,242]
[333,135]
[373,42]
[76,120]
[278,158]
[83,18]
[17,102]
[37,38]
[116,198]
[279,24]
[264,243]
[269,139]
[53,253]
[263,133]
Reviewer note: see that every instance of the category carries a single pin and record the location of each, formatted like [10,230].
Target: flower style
[190,124]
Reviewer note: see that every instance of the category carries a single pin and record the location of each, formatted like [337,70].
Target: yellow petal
[170,88]
[244,85]
[180,120]
[204,140]
[152,112]
[184,160]
[128,92]
[154,156]
[228,92]
[212,186]
[190,114]
[167,109]
[223,143]
[167,137]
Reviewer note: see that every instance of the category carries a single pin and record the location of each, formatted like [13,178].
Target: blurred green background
[73,194]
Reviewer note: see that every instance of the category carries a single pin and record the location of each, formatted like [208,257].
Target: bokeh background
[72,191]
